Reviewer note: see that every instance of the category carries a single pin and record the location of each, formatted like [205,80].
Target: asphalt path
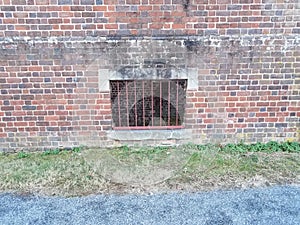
[272,205]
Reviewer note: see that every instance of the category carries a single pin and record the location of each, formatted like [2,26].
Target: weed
[51,152]
[159,149]
[77,149]
[290,147]
[257,147]
[22,155]
[271,146]
[205,147]
[124,148]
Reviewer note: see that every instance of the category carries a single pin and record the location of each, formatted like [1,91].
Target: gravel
[272,205]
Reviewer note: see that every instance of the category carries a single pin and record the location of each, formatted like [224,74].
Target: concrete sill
[140,135]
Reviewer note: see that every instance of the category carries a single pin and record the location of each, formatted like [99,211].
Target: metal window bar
[143,102]
[135,109]
[119,108]
[169,103]
[177,103]
[152,104]
[161,106]
[127,104]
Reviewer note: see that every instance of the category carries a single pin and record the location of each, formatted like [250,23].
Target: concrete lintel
[191,74]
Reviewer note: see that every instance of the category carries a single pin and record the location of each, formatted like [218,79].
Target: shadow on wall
[154,111]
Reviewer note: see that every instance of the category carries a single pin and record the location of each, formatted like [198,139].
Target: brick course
[56,58]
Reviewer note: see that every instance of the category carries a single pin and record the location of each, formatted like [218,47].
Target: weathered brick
[88,14]
[77,8]
[65,2]
[42,15]
[45,27]
[55,21]
[8,8]
[234,7]
[87,2]
[29,107]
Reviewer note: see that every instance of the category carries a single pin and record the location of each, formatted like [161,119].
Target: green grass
[271,146]
[147,169]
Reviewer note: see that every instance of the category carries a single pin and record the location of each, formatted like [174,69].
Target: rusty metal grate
[148,104]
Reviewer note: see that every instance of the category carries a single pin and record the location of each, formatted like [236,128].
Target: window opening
[148,104]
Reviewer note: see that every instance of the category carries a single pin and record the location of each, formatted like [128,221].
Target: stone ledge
[140,135]
[114,39]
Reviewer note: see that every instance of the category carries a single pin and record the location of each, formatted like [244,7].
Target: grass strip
[126,169]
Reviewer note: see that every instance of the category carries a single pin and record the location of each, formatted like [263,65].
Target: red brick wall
[54,54]
[45,18]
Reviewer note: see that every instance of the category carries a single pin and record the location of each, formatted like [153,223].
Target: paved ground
[273,205]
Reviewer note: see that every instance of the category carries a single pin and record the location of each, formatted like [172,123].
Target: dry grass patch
[65,174]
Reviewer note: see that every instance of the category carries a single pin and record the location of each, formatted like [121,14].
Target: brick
[88,14]
[124,8]
[296,31]
[246,1]
[43,124]
[280,125]
[7,108]
[54,21]
[101,8]
[77,8]
[45,27]
[266,25]
[65,2]
[42,2]
[200,26]
[29,107]
[41,15]
[234,7]
[8,8]
[87,2]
